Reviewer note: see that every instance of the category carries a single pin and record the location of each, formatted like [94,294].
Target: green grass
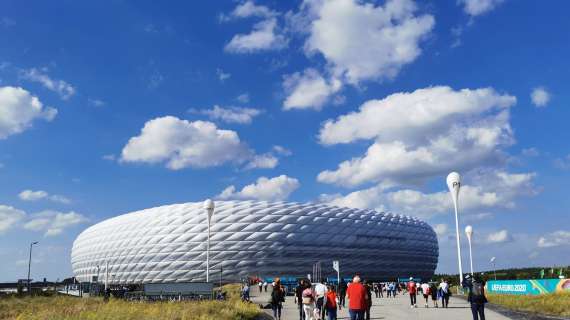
[71,308]
[555,304]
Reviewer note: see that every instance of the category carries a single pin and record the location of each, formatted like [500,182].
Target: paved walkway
[384,308]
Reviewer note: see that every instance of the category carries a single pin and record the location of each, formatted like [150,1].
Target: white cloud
[491,190]
[562,163]
[54,222]
[264,36]
[555,239]
[441,229]
[308,90]
[230,114]
[9,217]
[30,195]
[499,237]
[479,7]
[263,161]
[282,150]
[249,9]
[62,88]
[540,97]
[95,102]
[530,152]
[19,109]
[361,41]
[243,98]
[181,143]
[223,76]
[419,135]
[274,189]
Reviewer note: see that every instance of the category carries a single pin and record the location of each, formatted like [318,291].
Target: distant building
[168,243]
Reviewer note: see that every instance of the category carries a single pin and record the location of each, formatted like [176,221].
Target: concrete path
[384,308]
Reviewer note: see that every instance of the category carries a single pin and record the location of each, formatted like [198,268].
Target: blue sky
[106,108]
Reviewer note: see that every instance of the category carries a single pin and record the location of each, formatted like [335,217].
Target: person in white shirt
[444,289]
[426,292]
[320,292]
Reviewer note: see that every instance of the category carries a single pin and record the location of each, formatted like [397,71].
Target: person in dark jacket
[299,297]
[277,298]
[476,296]
[368,287]
[342,294]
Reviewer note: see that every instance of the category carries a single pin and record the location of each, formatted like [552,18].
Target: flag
[336,266]
[542,273]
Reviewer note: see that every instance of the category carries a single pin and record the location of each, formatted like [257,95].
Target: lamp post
[494,267]
[454,184]
[30,267]
[209,207]
[469,233]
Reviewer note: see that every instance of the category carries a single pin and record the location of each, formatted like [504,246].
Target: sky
[108,107]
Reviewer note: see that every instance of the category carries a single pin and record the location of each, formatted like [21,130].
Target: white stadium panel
[168,243]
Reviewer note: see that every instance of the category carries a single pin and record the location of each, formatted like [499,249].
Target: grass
[71,308]
[555,304]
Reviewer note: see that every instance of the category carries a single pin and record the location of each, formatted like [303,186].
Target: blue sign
[524,287]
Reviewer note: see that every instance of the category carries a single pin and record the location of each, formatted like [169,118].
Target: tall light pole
[469,233]
[30,267]
[494,267]
[454,184]
[209,207]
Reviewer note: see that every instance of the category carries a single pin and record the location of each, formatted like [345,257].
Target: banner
[524,287]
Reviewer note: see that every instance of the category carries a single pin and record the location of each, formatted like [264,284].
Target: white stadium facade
[253,238]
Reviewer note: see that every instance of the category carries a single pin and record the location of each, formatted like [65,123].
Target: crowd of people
[322,301]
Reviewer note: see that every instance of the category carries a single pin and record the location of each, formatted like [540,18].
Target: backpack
[477,289]
[307,296]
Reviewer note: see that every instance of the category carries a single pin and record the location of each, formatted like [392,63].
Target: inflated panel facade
[249,238]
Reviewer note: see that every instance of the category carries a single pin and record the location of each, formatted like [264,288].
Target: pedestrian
[342,294]
[426,292]
[260,283]
[381,289]
[245,292]
[389,290]
[299,298]
[277,299]
[445,293]
[320,292]
[476,296]
[368,288]
[356,294]
[331,303]
[375,287]
[308,300]
[411,286]
[265,285]
[434,294]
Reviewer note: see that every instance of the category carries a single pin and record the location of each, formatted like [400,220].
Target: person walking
[356,294]
[434,294]
[342,294]
[368,288]
[320,292]
[277,299]
[308,300]
[445,293]
[411,286]
[331,303]
[260,283]
[245,292]
[476,296]
[381,289]
[299,298]
[426,292]
[265,285]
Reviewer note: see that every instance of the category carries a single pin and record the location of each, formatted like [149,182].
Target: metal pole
[208,253]
[458,245]
[470,255]
[495,270]
[106,275]
[29,268]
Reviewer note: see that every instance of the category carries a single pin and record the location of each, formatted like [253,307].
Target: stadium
[253,238]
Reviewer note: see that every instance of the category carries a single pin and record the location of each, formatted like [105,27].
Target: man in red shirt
[356,294]
[411,286]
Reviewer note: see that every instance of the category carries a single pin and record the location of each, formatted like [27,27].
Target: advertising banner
[524,287]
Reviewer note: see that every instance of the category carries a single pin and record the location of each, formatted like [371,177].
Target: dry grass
[68,308]
[556,304]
